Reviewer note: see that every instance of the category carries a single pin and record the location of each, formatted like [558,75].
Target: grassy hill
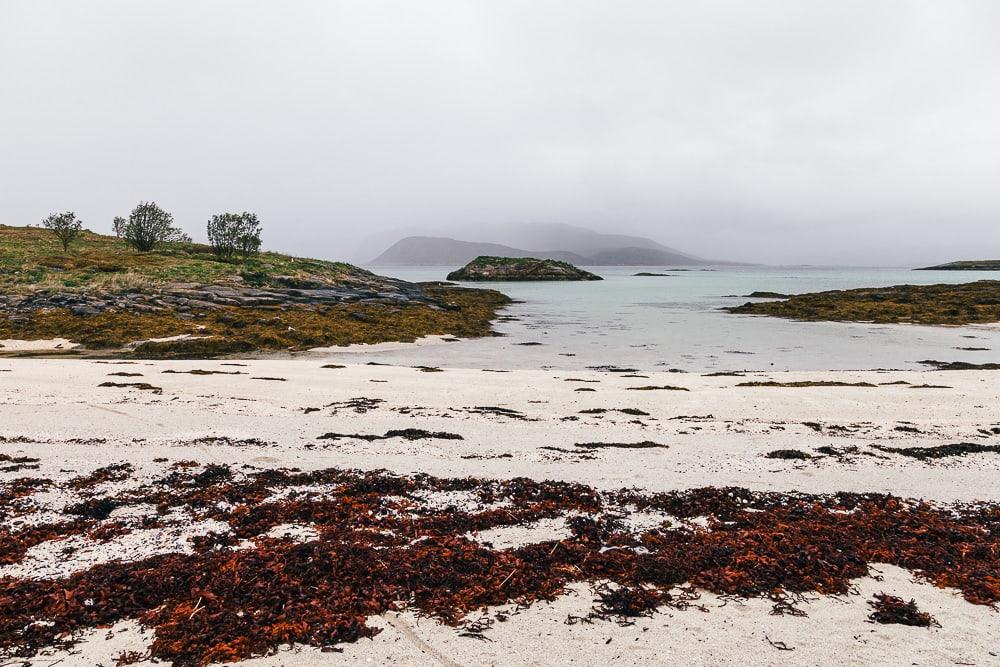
[111,298]
[32,258]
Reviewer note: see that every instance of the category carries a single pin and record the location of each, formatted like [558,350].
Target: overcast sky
[840,132]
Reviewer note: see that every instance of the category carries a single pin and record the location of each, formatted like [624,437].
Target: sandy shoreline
[716,434]
[717,431]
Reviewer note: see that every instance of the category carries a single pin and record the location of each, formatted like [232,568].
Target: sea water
[676,322]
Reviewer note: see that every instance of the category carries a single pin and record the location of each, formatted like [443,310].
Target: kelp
[381,546]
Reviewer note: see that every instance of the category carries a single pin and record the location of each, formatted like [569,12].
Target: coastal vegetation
[234,234]
[65,226]
[106,295]
[966,303]
[148,226]
[487,268]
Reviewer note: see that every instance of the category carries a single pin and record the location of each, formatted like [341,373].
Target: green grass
[32,258]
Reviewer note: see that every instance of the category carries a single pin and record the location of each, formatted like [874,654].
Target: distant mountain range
[568,244]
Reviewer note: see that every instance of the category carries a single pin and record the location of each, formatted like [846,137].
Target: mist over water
[675,322]
[858,133]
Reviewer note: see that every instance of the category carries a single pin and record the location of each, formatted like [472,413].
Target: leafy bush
[65,226]
[234,233]
[148,226]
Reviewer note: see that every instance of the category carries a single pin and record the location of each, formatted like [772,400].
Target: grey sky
[850,132]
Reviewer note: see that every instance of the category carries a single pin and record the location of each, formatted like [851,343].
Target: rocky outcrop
[502,269]
[185,297]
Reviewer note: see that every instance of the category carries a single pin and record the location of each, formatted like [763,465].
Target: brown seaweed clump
[888,609]
[380,545]
[242,330]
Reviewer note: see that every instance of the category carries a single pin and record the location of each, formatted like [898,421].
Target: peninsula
[181,300]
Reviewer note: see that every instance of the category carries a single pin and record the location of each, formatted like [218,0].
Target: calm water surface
[658,323]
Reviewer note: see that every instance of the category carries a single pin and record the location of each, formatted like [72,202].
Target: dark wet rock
[766,295]
[188,296]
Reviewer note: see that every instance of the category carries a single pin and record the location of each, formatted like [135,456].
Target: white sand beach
[270,413]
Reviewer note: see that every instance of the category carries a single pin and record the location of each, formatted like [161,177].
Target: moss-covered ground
[966,303]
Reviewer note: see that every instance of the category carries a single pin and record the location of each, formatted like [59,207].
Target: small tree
[248,240]
[119,225]
[65,226]
[222,232]
[234,233]
[147,226]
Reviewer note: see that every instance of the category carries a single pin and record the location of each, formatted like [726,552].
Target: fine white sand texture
[528,423]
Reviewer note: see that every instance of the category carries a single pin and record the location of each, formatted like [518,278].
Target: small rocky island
[951,304]
[966,265]
[502,269]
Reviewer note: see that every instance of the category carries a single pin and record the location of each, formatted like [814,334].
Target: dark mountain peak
[565,243]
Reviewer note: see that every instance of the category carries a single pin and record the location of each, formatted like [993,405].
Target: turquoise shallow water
[657,323]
